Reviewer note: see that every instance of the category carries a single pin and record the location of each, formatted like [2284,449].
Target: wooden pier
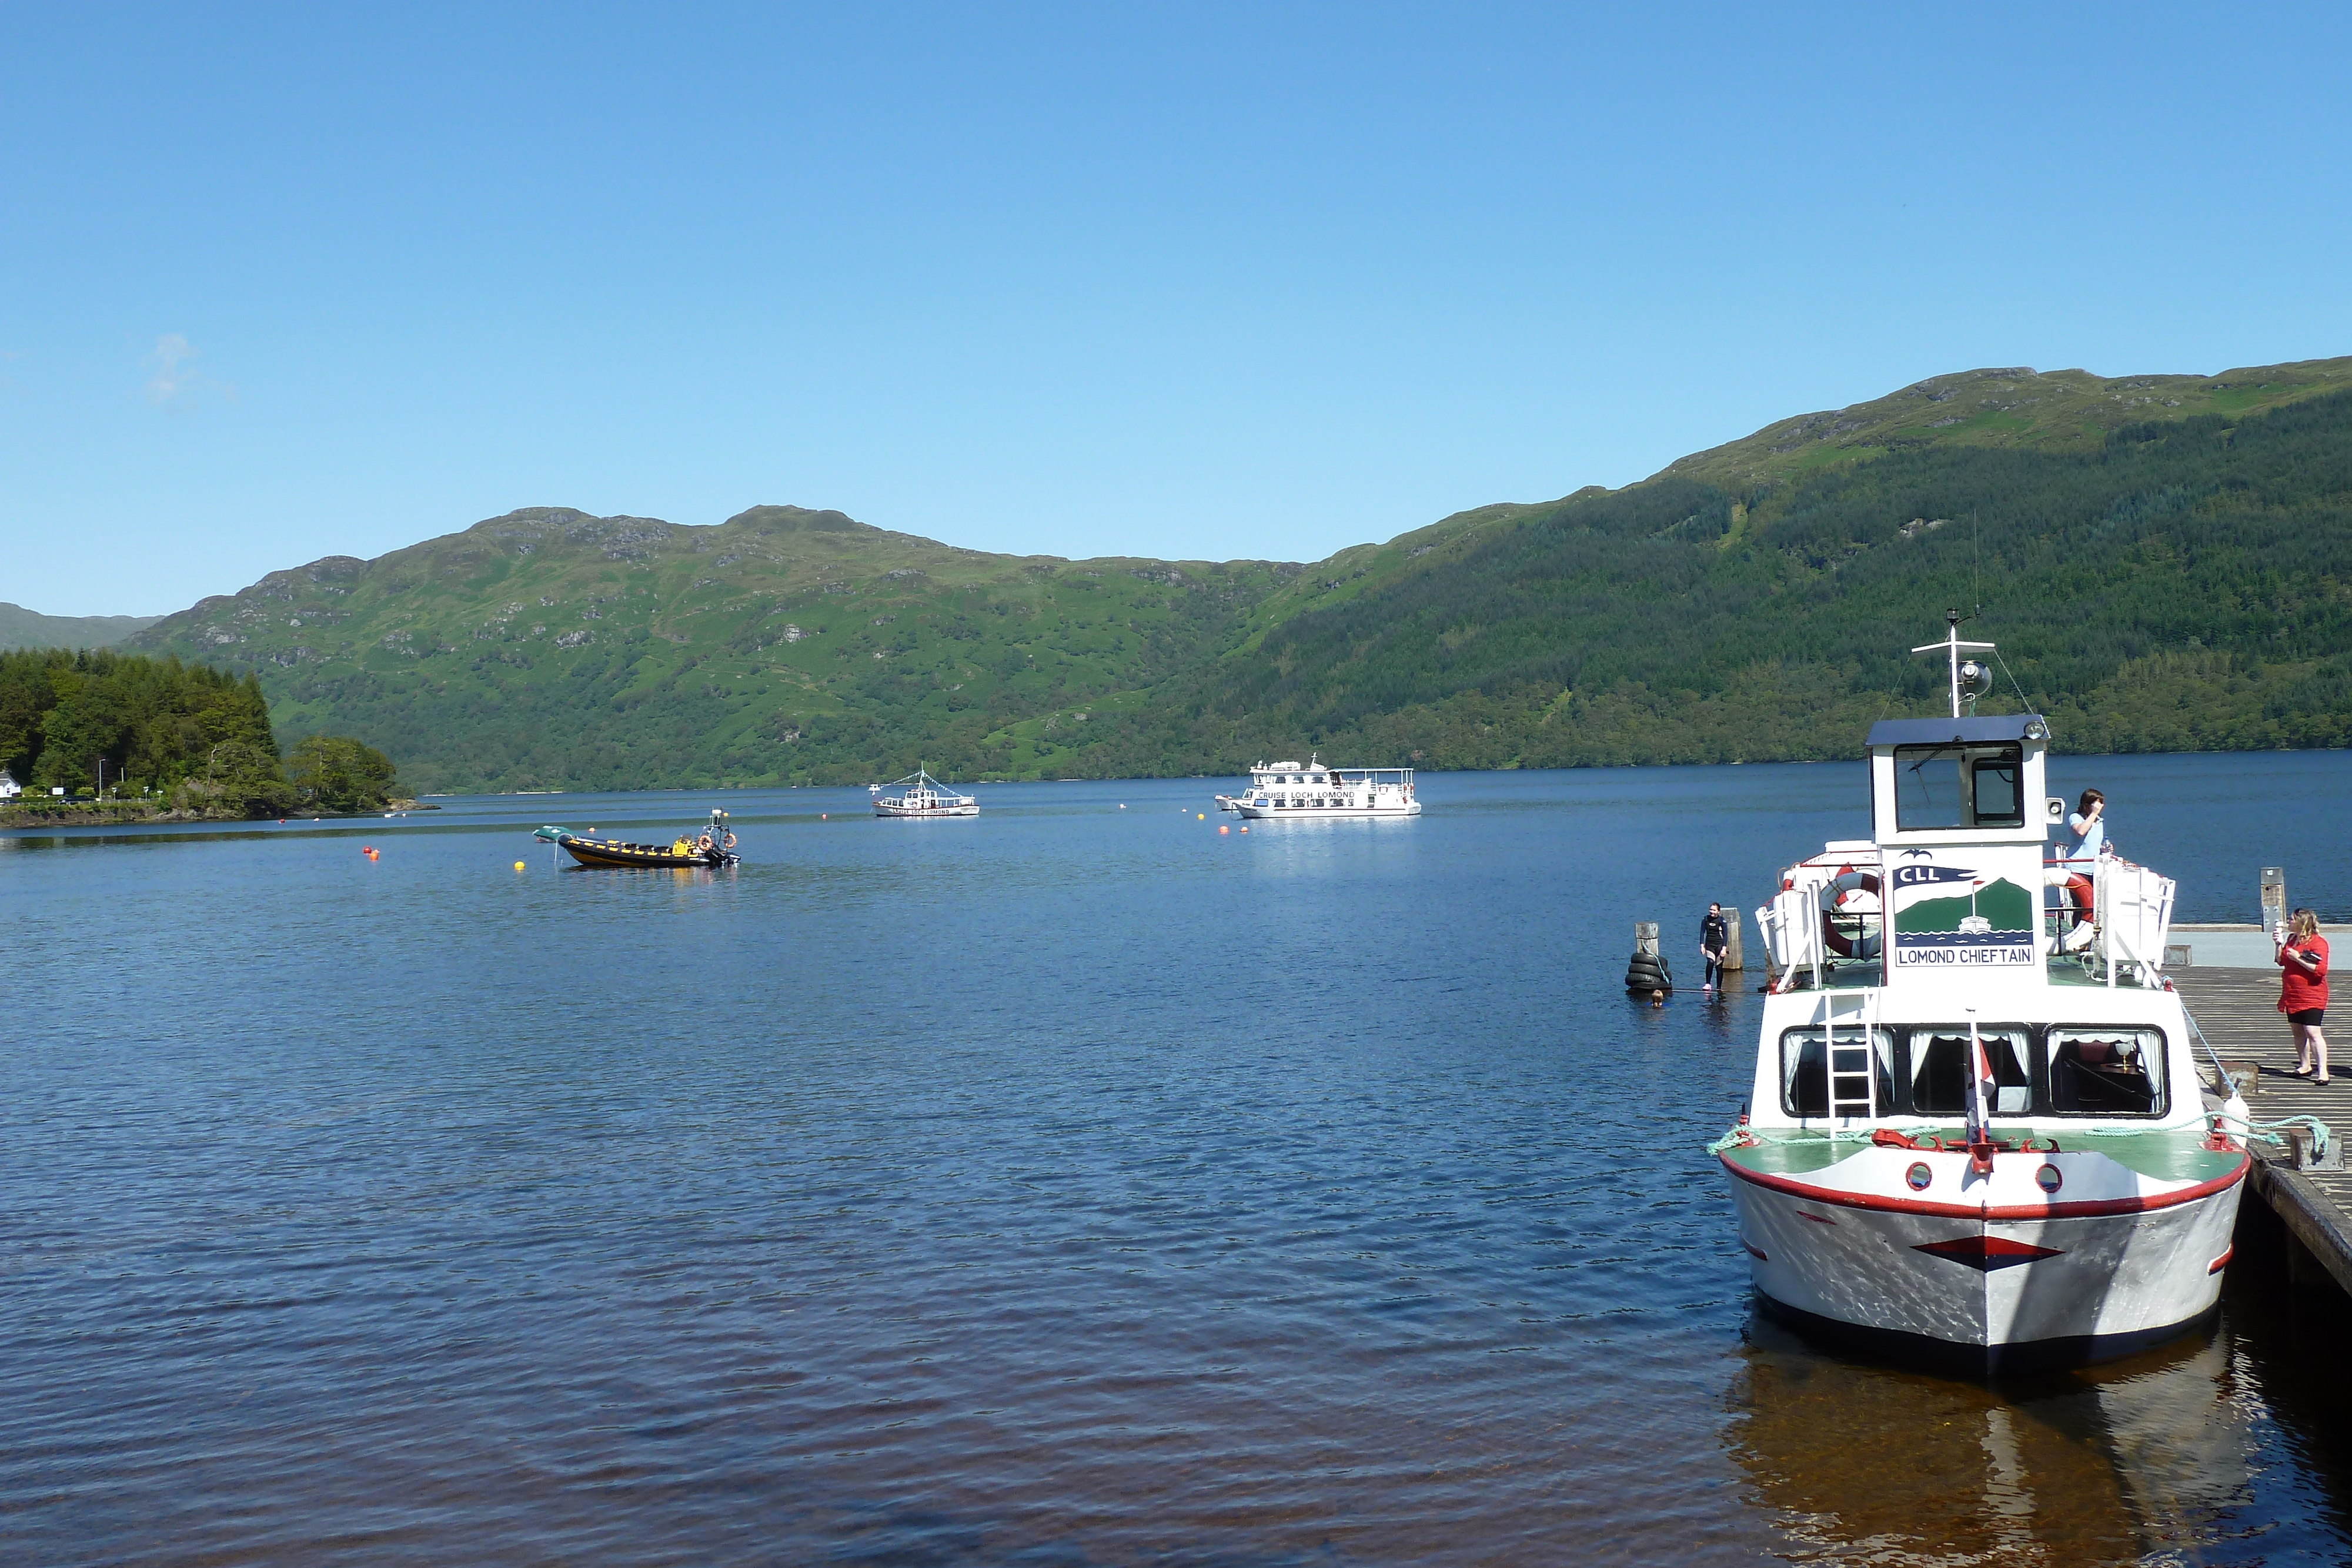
[2311,1194]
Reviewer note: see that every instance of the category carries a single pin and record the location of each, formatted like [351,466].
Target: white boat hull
[1990,1292]
[1256,813]
[884,808]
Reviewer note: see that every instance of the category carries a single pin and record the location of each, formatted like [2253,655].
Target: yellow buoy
[518,865]
[1200,815]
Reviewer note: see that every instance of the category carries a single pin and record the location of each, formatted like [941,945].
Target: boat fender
[1647,971]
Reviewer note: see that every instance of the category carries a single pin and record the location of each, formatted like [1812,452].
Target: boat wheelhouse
[1262,775]
[1288,790]
[1969,1139]
[921,795]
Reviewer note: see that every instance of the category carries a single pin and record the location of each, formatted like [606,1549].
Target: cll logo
[1919,876]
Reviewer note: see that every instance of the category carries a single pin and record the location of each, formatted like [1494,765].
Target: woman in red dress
[2303,992]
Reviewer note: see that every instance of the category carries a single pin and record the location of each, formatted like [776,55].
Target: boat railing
[1793,938]
[2135,916]
[2132,906]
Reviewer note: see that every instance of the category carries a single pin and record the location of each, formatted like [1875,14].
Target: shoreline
[114,814]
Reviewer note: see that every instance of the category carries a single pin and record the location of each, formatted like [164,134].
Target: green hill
[2166,562]
[548,647]
[22,628]
[2059,410]
[2182,584]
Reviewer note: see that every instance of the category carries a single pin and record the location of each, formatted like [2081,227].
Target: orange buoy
[1223,829]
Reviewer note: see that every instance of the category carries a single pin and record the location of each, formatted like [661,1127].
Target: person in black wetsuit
[1714,937]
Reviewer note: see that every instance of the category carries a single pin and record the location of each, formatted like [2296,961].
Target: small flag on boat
[1980,1086]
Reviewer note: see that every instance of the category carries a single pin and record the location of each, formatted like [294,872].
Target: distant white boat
[1285,790]
[921,795]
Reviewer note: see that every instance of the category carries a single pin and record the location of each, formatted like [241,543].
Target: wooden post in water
[1645,938]
[1731,957]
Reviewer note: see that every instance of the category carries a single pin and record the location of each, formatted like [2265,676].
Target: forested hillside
[2163,560]
[551,648]
[2186,585]
[188,735]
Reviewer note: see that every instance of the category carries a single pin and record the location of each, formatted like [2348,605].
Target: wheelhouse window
[1959,786]
[2107,1072]
[1940,1070]
[1863,1075]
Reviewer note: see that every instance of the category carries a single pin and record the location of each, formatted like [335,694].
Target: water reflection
[1865,1462]
[1312,1196]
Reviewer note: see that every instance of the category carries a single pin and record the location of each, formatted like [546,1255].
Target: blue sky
[1189,282]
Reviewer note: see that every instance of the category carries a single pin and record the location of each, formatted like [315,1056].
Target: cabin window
[2107,1072]
[1998,797]
[1959,786]
[1805,1069]
[1940,1071]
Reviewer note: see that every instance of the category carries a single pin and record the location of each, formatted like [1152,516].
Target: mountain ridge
[22,628]
[1722,608]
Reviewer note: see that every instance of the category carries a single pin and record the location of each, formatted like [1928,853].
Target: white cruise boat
[1287,789]
[921,795]
[1963,1145]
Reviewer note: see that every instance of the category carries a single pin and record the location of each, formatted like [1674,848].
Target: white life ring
[1850,892]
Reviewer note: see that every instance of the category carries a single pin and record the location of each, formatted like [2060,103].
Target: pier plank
[2237,1011]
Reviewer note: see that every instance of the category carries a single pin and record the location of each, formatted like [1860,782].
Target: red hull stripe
[2087,1210]
[2222,1262]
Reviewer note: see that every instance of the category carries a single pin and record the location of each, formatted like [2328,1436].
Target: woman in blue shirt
[2079,862]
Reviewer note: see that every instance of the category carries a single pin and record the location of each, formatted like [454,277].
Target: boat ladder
[1853,1082]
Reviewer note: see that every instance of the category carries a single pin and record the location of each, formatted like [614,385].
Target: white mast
[1951,646]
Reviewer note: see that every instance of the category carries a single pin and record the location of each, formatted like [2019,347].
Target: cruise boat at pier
[1287,789]
[1968,1140]
[921,795]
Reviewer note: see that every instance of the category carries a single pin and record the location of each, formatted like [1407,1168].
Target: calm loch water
[1072,1185]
